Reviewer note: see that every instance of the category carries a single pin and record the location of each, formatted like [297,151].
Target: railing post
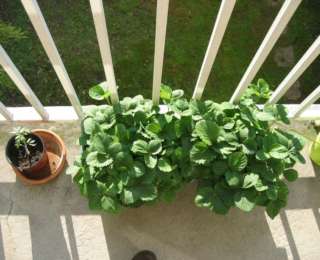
[42,30]
[161,27]
[311,54]
[20,82]
[313,97]
[104,45]
[219,29]
[5,112]
[286,12]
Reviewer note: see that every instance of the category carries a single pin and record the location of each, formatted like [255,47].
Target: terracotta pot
[52,164]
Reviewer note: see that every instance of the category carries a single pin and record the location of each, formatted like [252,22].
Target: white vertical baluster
[23,86]
[219,29]
[310,55]
[5,112]
[279,24]
[313,97]
[104,45]
[161,27]
[40,26]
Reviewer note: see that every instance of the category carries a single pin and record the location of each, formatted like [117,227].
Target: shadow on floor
[173,231]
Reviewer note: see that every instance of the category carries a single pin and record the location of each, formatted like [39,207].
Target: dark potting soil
[25,162]
[19,158]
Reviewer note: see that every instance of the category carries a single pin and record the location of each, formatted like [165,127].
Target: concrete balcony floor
[52,222]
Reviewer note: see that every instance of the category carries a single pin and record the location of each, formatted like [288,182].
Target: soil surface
[25,162]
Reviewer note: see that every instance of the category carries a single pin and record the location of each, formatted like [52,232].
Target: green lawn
[131,30]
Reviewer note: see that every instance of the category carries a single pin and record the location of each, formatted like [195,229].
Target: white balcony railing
[307,110]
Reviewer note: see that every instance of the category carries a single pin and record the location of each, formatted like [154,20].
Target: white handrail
[286,12]
[307,102]
[21,83]
[42,30]
[104,45]
[5,112]
[219,29]
[161,27]
[310,55]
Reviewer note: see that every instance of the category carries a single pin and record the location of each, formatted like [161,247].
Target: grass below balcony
[131,30]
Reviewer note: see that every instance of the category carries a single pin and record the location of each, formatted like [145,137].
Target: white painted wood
[6,114]
[286,12]
[313,97]
[219,29]
[21,83]
[59,113]
[42,30]
[161,28]
[310,55]
[104,45]
[67,113]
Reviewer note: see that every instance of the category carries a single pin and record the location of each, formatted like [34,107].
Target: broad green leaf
[290,174]
[204,197]
[140,147]
[262,156]
[245,200]
[264,116]
[89,125]
[123,159]
[273,208]
[208,131]
[137,170]
[218,205]
[164,165]
[143,192]
[260,186]
[272,192]
[100,142]
[154,128]
[97,92]
[250,180]
[94,193]
[233,178]
[154,147]
[98,160]
[200,154]
[278,151]
[219,167]
[115,148]
[237,161]
[178,93]
[165,92]
[109,204]
[150,161]
[122,133]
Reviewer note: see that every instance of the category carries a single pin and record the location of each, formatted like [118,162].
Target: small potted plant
[36,156]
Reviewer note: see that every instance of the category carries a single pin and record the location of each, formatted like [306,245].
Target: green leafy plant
[135,153]
[23,142]
[244,158]
[132,153]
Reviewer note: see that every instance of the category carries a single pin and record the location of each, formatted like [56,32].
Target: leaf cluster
[22,141]
[135,153]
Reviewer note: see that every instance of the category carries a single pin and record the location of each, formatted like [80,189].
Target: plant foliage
[135,153]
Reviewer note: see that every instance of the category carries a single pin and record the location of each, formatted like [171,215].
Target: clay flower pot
[50,164]
[315,151]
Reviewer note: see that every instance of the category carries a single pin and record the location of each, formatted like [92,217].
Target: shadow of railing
[173,231]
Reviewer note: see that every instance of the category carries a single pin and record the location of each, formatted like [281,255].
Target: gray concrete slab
[53,222]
